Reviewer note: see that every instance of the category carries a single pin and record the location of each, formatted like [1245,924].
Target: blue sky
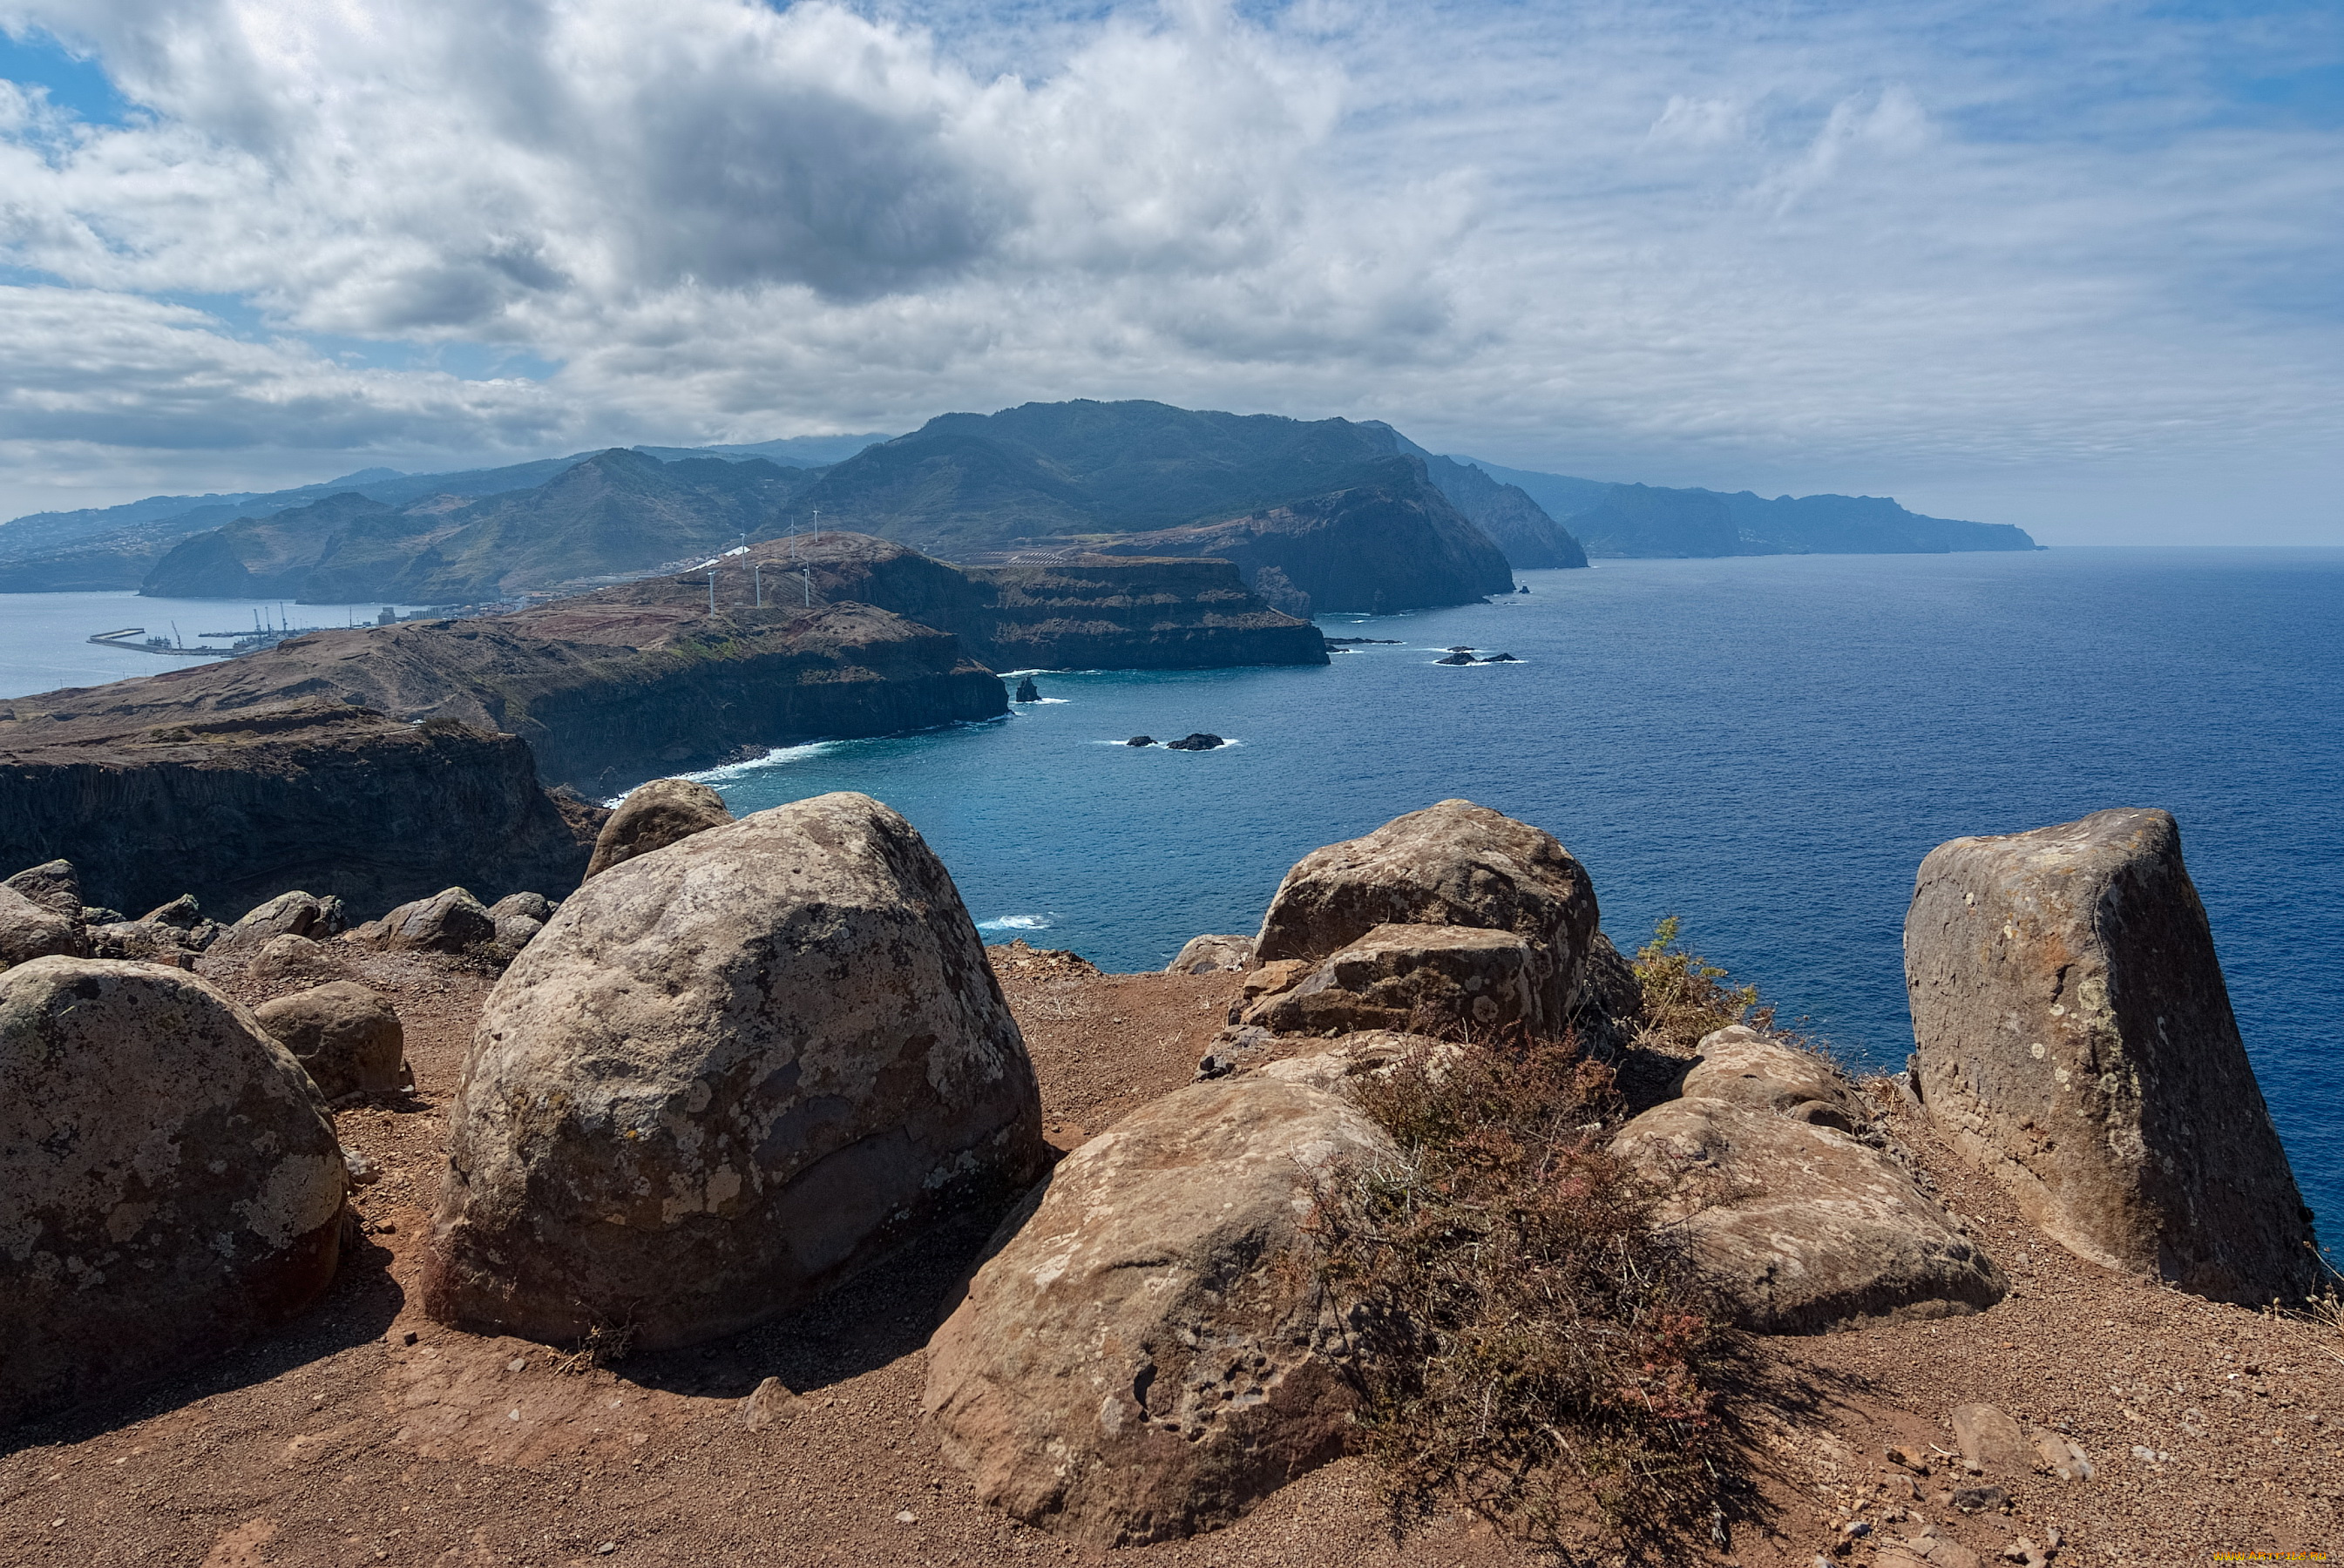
[2070,266]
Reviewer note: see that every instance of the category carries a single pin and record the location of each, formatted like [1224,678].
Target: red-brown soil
[368,1434]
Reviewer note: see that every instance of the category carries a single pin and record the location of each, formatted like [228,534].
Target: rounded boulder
[653,816]
[347,1037]
[170,1181]
[1451,864]
[725,1076]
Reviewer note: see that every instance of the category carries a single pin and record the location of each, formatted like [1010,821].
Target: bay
[44,636]
[1765,746]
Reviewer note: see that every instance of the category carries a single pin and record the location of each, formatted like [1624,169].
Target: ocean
[1765,746]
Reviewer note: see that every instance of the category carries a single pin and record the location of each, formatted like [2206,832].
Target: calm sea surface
[1765,746]
[44,636]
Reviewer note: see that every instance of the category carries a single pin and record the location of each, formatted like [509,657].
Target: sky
[2068,264]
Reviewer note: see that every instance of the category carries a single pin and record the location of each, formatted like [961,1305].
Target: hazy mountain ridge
[1040,476]
[1626,519]
[617,511]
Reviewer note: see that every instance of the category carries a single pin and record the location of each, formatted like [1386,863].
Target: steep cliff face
[1094,612]
[1639,520]
[606,692]
[1516,524]
[1396,543]
[1103,613]
[237,807]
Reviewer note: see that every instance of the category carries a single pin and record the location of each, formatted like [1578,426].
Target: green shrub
[1526,1341]
[1686,995]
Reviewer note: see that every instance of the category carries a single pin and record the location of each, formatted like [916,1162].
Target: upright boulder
[346,1036]
[1144,1354]
[30,930]
[169,1182]
[1453,864]
[1801,1226]
[2075,1039]
[653,816]
[725,1076]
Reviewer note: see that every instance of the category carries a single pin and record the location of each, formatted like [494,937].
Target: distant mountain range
[1319,515]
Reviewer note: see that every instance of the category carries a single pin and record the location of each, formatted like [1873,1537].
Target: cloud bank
[2061,266]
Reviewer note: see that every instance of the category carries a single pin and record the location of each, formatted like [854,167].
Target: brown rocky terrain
[735,1137]
[368,1434]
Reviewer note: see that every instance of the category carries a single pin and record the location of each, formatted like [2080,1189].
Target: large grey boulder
[653,816]
[169,1182]
[1453,864]
[449,921]
[294,914]
[1800,1226]
[30,930]
[1144,1354]
[346,1036]
[722,1078]
[2075,1039]
[55,885]
[1427,979]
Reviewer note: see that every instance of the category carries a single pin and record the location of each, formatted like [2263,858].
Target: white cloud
[1965,253]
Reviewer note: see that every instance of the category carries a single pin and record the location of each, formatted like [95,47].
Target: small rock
[1198,741]
[362,1169]
[2025,1550]
[1855,1530]
[1502,658]
[1989,1440]
[518,1364]
[518,918]
[2063,1458]
[1456,658]
[907,1517]
[1981,1500]
[1904,1460]
[1141,740]
[771,1403]
[1213,955]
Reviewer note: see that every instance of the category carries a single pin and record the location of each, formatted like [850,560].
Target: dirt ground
[367,1434]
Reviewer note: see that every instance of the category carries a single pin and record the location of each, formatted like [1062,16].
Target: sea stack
[2075,1038]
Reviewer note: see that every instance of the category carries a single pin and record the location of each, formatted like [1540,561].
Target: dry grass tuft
[1527,1343]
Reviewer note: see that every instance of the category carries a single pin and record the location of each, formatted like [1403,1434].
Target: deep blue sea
[1765,746]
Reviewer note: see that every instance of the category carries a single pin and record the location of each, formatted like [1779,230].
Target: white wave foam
[1016,923]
